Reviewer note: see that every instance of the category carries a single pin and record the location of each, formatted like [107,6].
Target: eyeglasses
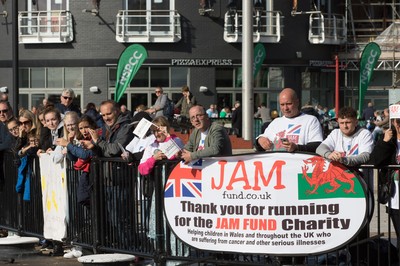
[198,116]
[67,98]
[25,122]
[158,91]
[4,111]
[14,128]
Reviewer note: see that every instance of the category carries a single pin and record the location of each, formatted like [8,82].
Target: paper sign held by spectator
[169,148]
[142,128]
[394,111]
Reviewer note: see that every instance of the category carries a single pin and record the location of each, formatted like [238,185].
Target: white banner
[55,197]
[266,203]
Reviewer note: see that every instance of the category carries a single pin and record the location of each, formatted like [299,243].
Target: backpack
[169,108]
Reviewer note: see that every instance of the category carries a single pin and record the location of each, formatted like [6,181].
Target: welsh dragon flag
[129,63]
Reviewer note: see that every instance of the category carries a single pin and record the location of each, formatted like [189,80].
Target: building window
[54,78]
[73,77]
[224,77]
[179,76]
[38,78]
[57,78]
[150,77]
[159,77]
[275,78]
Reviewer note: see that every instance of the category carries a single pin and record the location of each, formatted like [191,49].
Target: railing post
[95,203]
[159,176]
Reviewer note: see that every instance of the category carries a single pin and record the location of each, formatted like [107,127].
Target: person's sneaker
[69,255]
[77,253]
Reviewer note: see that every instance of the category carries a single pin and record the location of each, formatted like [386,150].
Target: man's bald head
[289,102]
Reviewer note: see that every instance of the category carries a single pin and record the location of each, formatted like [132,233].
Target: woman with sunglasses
[27,124]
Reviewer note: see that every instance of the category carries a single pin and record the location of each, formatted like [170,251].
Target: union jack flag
[354,150]
[184,182]
[294,129]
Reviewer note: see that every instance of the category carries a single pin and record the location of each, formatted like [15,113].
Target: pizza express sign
[201,62]
[270,203]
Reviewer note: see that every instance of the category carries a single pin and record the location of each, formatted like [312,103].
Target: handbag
[385,187]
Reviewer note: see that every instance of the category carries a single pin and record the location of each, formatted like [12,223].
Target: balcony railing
[267,26]
[45,26]
[147,26]
[327,29]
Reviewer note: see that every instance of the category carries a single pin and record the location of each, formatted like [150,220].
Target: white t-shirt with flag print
[359,142]
[301,130]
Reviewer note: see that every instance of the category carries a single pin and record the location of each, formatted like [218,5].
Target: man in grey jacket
[207,139]
[115,132]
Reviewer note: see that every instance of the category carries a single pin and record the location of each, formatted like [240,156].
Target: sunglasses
[67,98]
[25,122]
[4,111]
[158,91]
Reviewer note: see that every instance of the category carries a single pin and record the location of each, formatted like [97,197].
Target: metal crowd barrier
[126,215]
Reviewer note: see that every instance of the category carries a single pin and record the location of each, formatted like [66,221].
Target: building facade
[76,44]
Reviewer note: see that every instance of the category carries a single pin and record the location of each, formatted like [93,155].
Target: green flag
[259,56]
[128,65]
[369,58]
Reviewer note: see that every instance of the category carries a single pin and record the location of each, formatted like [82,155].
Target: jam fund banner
[267,203]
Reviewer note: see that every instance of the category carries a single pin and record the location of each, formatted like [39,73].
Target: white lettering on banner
[133,60]
[240,175]
[368,67]
[260,203]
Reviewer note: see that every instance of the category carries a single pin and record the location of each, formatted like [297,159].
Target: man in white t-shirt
[350,144]
[294,131]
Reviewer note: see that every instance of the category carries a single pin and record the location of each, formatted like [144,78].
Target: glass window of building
[224,77]
[23,101]
[138,99]
[112,76]
[23,78]
[37,99]
[141,79]
[38,77]
[54,77]
[159,76]
[73,77]
[275,78]
[179,76]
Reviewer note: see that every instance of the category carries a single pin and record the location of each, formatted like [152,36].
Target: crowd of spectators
[108,132]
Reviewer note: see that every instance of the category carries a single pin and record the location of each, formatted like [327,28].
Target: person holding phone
[294,131]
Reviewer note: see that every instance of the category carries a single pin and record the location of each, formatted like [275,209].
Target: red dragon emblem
[334,172]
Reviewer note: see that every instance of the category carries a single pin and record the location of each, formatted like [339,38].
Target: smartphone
[284,140]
